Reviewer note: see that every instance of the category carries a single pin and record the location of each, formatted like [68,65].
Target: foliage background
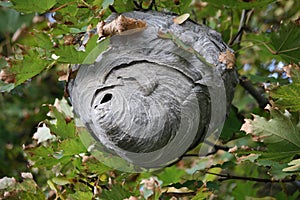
[263,164]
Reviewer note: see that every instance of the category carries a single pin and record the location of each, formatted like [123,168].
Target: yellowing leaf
[212,177]
[295,166]
[181,19]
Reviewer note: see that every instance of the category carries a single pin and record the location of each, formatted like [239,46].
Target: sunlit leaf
[181,19]
[61,180]
[294,166]
[107,3]
[78,195]
[43,134]
[202,193]
[68,54]
[171,175]
[6,182]
[29,6]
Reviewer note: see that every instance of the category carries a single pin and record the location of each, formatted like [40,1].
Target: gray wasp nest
[146,91]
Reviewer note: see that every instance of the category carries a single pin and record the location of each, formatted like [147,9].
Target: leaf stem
[262,43]
[288,50]
[264,180]
[62,6]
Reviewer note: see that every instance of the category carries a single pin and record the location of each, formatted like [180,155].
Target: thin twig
[181,194]
[264,180]
[216,148]
[112,9]
[245,16]
[261,100]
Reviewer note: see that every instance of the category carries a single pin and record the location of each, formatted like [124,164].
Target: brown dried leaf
[288,69]
[297,21]
[199,5]
[6,76]
[251,157]
[121,25]
[181,19]
[247,126]
[227,58]
[69,39]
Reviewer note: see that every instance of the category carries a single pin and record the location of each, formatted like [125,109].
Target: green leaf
[6,87]
[11,20]
[93,51]
[288,96]
[68,54]
[37,39]
[286,42]
[31,65]
[107,3]
[124,5]
[117,192]
[231,125]
[42,156]
[171,175]
[277,172]
[6,4]
[95,166]
[241,4]
[202,193]
[30,6]
[79,195]
[61,180]
[71,147]
[60,127]
[244,189]
[280,134]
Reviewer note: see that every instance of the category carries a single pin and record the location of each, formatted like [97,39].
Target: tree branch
[216,148]
[247,85]
[264,180]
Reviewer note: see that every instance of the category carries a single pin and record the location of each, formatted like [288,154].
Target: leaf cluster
[257,155]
